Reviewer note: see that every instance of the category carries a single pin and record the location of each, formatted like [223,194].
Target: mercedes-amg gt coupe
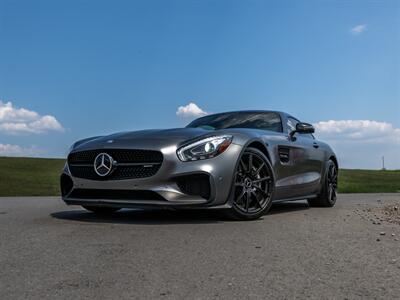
[240,162]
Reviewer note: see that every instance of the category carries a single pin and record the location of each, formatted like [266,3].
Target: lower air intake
[196,185]
[66,184]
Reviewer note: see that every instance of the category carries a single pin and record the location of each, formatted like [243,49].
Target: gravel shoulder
[352,251]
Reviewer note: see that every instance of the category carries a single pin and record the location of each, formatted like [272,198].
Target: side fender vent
[284,154]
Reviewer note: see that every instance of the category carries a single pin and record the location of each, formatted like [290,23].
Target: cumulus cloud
[190,111]
[16,150]
[365,131]
[362,143]
[15,120]
[358,29]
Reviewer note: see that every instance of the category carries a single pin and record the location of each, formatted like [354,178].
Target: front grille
[131,164]
[120,155]
[115,194]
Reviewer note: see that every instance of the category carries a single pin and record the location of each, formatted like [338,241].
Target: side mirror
[302,128]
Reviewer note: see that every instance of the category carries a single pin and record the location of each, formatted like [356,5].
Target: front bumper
[164,185]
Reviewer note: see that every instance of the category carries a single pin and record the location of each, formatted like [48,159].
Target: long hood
[144,139]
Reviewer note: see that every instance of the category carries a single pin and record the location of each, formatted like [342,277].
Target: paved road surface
[49,250]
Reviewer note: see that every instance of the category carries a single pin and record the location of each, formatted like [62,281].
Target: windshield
[257,120]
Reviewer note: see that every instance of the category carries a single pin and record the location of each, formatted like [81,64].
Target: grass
[369,181]
[29,176]
[40,177]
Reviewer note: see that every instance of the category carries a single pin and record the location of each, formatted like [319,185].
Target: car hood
[144,139]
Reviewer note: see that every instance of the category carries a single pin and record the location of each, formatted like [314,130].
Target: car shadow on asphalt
[163,216]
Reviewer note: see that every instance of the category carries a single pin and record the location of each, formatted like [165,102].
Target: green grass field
[369,181]
[39,177]
[29,176]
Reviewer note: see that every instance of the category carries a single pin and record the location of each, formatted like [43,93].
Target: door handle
[315,145]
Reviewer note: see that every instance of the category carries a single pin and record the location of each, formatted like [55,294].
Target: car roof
[251,111]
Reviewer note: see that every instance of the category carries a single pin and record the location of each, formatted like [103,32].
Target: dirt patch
[381,213]
[391,214]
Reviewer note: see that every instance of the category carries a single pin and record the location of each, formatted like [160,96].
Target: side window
[291,124]
[273,122]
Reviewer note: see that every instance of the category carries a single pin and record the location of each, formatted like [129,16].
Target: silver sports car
[240,162]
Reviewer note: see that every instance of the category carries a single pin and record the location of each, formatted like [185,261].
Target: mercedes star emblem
[103,164]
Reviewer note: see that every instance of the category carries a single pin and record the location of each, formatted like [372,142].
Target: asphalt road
[52,251]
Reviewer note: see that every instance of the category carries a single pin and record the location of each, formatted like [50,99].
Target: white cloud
[362,143]
[15,150]
[190,111]
[365,131]
[358,29]
[15,120]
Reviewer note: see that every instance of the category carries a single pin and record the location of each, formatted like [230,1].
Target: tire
[101,210]
[328,195]
[252,186]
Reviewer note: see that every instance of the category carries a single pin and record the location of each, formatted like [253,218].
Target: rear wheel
[252,187]
[101,209]
[328,195]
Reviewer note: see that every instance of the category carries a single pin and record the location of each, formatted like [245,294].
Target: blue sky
[98,67]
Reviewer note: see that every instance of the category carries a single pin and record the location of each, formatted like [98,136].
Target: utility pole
[383,163]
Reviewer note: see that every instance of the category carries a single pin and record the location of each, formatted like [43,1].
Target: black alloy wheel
[253,186]
[328,195]
[332,183]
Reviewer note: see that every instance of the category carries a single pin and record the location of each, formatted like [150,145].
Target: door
[300,164]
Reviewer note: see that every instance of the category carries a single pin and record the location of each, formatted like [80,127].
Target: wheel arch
[260,146]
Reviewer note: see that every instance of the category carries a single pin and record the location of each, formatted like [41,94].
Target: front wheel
[328,195]
[252,186]
[101,210]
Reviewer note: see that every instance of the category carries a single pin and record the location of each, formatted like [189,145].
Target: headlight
[205,148]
